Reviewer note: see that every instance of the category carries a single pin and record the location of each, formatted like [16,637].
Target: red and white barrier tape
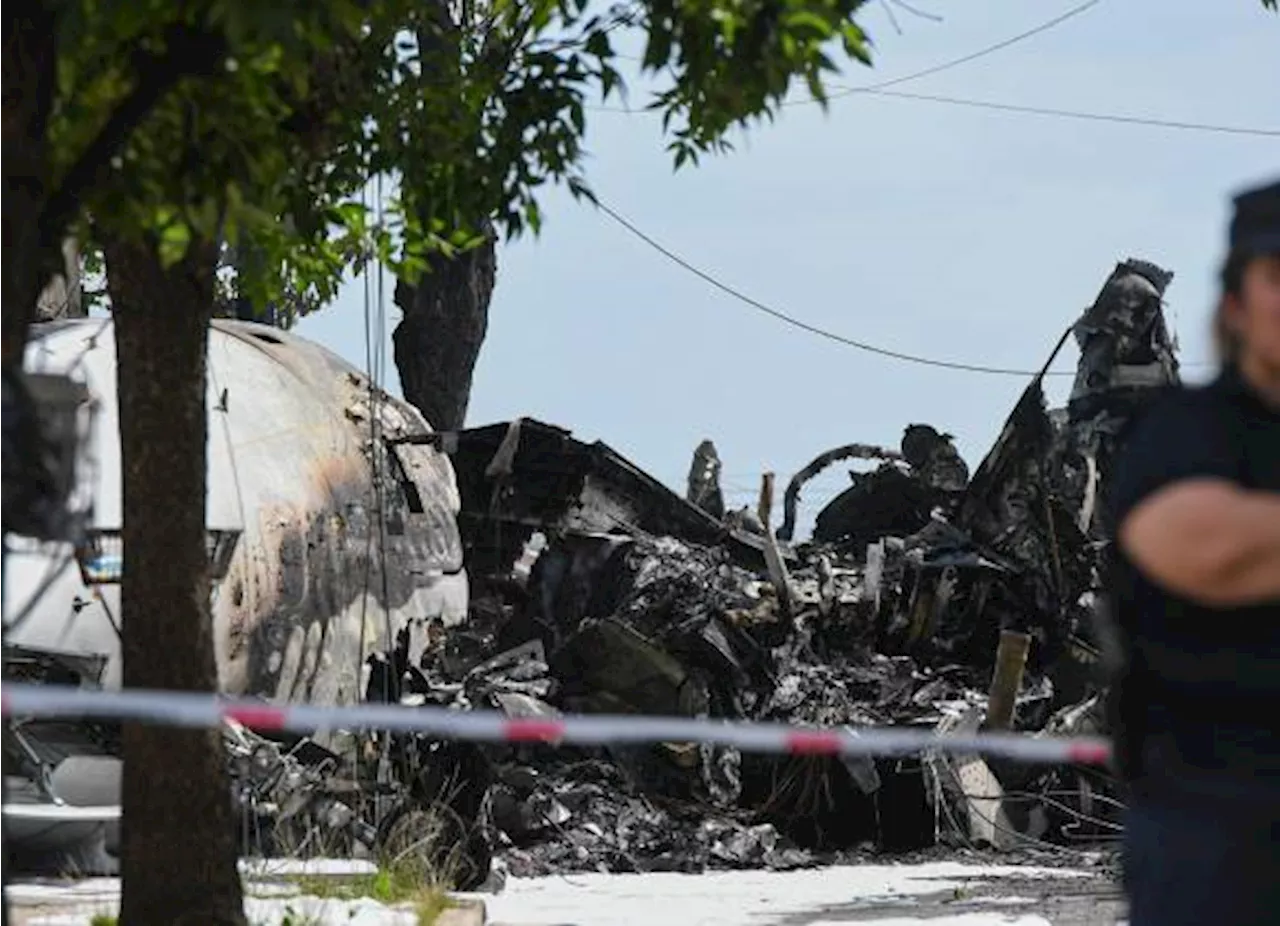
[187,709]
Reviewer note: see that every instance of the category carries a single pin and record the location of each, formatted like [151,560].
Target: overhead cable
[880,87]
[806,326]
[839,91]
[1078,114]
[814,329]
[956,62]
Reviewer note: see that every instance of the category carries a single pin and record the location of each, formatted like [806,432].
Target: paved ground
[934,893]
[929,894]
[1089,901]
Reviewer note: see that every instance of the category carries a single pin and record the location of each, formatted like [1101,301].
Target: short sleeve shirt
[1207,679]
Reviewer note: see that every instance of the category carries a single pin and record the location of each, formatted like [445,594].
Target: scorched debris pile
[926,598]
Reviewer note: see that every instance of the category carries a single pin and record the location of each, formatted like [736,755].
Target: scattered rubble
[926,597]
[597,589]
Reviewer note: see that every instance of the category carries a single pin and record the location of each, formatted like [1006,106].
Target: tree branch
[188,52]
[916,11]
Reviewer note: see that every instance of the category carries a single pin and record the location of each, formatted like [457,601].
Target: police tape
[189,709]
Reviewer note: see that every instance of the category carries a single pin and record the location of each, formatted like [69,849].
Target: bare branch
[916,11]
[893,17]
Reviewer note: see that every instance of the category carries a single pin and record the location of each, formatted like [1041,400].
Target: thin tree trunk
[437,342]
[29,75]
[179,849]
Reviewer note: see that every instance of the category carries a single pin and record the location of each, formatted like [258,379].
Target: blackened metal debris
[526,476]
[704,480]
[638,601]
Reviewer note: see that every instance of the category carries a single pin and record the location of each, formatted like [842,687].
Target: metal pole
[4,735]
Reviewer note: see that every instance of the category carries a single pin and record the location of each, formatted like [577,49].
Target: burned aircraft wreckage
[310,581]
[594,588]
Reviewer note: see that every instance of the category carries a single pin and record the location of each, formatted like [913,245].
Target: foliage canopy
[259,124]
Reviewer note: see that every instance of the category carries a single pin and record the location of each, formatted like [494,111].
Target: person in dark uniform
[1195,590]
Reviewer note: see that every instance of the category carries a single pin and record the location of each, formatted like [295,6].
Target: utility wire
[880,88]
[947,65]
[957,62]
[1020,109]
[814,329]
[806,326]
[1077,114]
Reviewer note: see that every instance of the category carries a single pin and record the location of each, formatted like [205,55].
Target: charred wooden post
[1011,663]
[764,507]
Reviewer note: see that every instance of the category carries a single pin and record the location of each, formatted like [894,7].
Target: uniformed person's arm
[1183,519]
[1208,540]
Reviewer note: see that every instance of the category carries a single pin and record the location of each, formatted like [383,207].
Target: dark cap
[1255,227]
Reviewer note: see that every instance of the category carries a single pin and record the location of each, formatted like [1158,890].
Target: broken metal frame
[525,475]
[791,497]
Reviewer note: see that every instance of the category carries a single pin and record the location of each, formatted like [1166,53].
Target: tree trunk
[29,75]
[446,316]
[179,848]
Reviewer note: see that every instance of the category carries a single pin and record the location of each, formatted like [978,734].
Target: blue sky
[952,232]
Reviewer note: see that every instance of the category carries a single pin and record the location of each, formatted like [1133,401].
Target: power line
[1084,115]
[963,59]
[806,326]
[881,87]
[926,72]
[1078,114]
[814,329]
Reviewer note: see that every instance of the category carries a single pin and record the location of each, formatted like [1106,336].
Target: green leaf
[174,239]
[801,20]
[598,44]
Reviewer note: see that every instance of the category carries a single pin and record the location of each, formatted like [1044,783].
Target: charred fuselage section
[332,529]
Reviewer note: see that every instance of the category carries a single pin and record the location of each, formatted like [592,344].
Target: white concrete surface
[311,911]
[959,919]
[864,894]
[272,900]
[259,868]
[746,898]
